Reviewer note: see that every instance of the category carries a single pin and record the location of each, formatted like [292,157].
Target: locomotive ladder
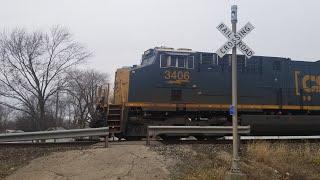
[114,115]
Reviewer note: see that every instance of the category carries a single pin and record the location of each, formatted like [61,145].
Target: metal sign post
[235,159]
[234,41]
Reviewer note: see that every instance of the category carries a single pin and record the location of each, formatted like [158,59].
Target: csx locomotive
[276,96]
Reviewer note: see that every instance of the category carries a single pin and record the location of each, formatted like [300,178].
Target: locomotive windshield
[148,57]
[177,61]
[148,60]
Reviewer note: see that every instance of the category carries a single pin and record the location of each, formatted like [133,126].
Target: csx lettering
[309,83]
[176,75]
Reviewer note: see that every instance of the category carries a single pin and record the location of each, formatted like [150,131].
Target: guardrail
[193,130]
[58,134]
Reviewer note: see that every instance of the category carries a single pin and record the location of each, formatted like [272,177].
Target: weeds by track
[260,159]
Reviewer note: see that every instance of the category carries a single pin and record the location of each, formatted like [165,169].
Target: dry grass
[205,165]
[259,161]
[282,161]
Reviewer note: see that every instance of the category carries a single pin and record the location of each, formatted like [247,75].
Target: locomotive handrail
[58,134]
[178,130]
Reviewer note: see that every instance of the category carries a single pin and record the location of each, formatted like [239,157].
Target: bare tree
[4,118]
[32,66]
[82,86]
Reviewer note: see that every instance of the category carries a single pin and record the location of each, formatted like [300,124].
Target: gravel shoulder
[117,162]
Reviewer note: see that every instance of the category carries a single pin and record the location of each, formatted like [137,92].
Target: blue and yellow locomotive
[277,96]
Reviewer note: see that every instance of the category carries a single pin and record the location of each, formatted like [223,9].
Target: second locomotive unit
[276,96]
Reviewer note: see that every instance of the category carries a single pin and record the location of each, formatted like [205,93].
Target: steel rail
[58,134]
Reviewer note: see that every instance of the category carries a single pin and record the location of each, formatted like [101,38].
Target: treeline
[41,85]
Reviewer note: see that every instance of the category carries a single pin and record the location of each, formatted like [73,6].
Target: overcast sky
[119,31]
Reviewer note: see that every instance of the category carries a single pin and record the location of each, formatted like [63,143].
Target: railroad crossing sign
[235,40]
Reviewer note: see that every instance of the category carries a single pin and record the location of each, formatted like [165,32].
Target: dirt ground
[13,157]
[118,162]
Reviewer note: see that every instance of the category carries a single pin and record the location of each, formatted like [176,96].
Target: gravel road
[118,162]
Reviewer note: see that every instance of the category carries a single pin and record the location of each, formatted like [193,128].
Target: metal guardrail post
[148,136]
[239,140]
[106,141]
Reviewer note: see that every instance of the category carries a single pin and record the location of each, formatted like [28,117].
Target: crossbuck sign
[235,40]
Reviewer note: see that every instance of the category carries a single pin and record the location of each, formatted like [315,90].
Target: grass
[207,166]
[283,160]
[259,161]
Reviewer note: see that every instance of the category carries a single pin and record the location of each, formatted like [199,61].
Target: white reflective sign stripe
[245,49]
[224,49]
[225,30]
[235,40]
[243,32]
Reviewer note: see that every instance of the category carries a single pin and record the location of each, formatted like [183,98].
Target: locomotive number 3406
[177,75]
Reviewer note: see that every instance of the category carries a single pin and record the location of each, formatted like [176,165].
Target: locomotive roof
[186,50]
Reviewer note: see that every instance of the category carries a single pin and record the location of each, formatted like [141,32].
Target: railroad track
[244,140]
